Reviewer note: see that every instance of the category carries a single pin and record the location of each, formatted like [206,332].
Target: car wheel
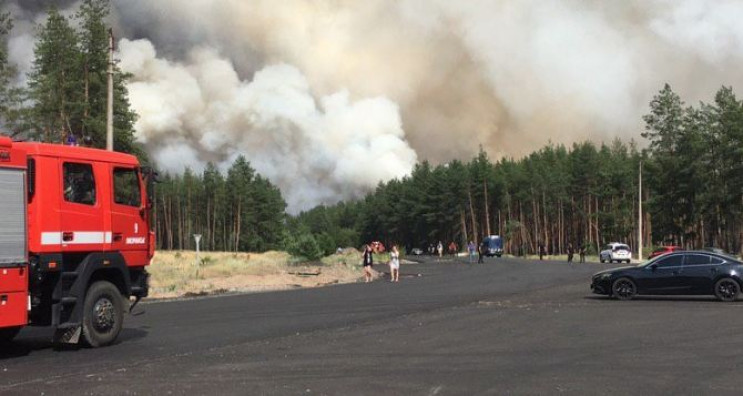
[601,258]
[103,314]
[727,289]
[623,289]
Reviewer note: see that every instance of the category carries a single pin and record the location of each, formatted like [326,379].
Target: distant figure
[480,252]
[368,262]
[394,264]
[541,251]
[570,253]
[440,249]
[582,252]
[453,248]
[471,250]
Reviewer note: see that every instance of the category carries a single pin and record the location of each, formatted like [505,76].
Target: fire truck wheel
[7,334]
[103,314]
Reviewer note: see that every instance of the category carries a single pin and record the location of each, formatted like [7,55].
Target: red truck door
[130,234]
[82,207]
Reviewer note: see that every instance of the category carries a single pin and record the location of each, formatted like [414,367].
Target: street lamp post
[639,216]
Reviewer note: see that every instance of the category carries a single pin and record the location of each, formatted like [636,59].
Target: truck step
[68,300]
[68,325]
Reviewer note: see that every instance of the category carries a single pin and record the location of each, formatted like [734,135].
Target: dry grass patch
[181,273]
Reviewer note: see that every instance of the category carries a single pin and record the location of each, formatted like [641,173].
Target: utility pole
[639,217]
[110,105]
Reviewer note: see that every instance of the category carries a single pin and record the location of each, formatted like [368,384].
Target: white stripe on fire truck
[78,238]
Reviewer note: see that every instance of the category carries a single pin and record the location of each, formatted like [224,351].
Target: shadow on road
[34,340]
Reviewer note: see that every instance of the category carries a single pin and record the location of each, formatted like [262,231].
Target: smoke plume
[329,97]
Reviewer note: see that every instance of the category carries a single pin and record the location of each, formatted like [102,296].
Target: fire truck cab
[75,239]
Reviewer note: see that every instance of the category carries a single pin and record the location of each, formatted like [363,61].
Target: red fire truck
[75,239]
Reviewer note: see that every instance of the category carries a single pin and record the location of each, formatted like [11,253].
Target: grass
[182,273]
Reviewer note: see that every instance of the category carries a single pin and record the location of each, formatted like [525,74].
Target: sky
[328,98]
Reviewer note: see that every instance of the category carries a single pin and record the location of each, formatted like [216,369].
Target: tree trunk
[237,226]
[487,212]
[86,108]
[535,216]
[464,227]
[545,228]
[598,236]
[472,216]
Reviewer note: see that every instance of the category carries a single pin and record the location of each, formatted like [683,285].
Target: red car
[663,250]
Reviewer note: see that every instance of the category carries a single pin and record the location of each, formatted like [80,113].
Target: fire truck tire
[7,334]
[103,314]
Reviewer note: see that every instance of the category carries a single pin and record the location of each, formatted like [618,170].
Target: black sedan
[678,273]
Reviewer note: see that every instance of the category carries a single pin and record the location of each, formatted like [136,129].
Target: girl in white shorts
[394,264]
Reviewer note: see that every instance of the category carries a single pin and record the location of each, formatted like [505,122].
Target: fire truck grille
[12,217]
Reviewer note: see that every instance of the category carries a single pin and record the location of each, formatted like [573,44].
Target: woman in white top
[394,264]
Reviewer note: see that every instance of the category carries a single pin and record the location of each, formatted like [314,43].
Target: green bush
[306,246]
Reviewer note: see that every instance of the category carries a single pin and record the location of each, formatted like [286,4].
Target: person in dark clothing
[480,252]
[541,251]
[570,252]
[582,252]
[368,262]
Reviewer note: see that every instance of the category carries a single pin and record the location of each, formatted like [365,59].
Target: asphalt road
[504,327]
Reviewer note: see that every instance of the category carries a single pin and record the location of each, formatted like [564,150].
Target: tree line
[584,195]
[239,211]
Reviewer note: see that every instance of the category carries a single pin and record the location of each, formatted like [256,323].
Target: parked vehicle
[493,245]
[615,251]
[676,273]
[416,251]
[75,239]
[663,250]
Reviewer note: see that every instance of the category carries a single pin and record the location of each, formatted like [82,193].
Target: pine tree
[55,83]
[6,72]
[93,64]
[664,130]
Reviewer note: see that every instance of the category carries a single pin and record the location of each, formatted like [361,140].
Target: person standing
[471,250]
[480,252]
[452,248]
[582,252]
[440,249]
[541,251]
[570,253]
[394,264]
[368,262]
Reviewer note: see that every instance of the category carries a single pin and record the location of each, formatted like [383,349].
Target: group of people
[394,263]
[479,250]
[570,250]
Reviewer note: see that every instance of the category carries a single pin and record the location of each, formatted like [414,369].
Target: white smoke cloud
[316,151]
[316,93]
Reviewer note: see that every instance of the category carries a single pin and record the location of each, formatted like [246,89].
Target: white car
[615,251]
